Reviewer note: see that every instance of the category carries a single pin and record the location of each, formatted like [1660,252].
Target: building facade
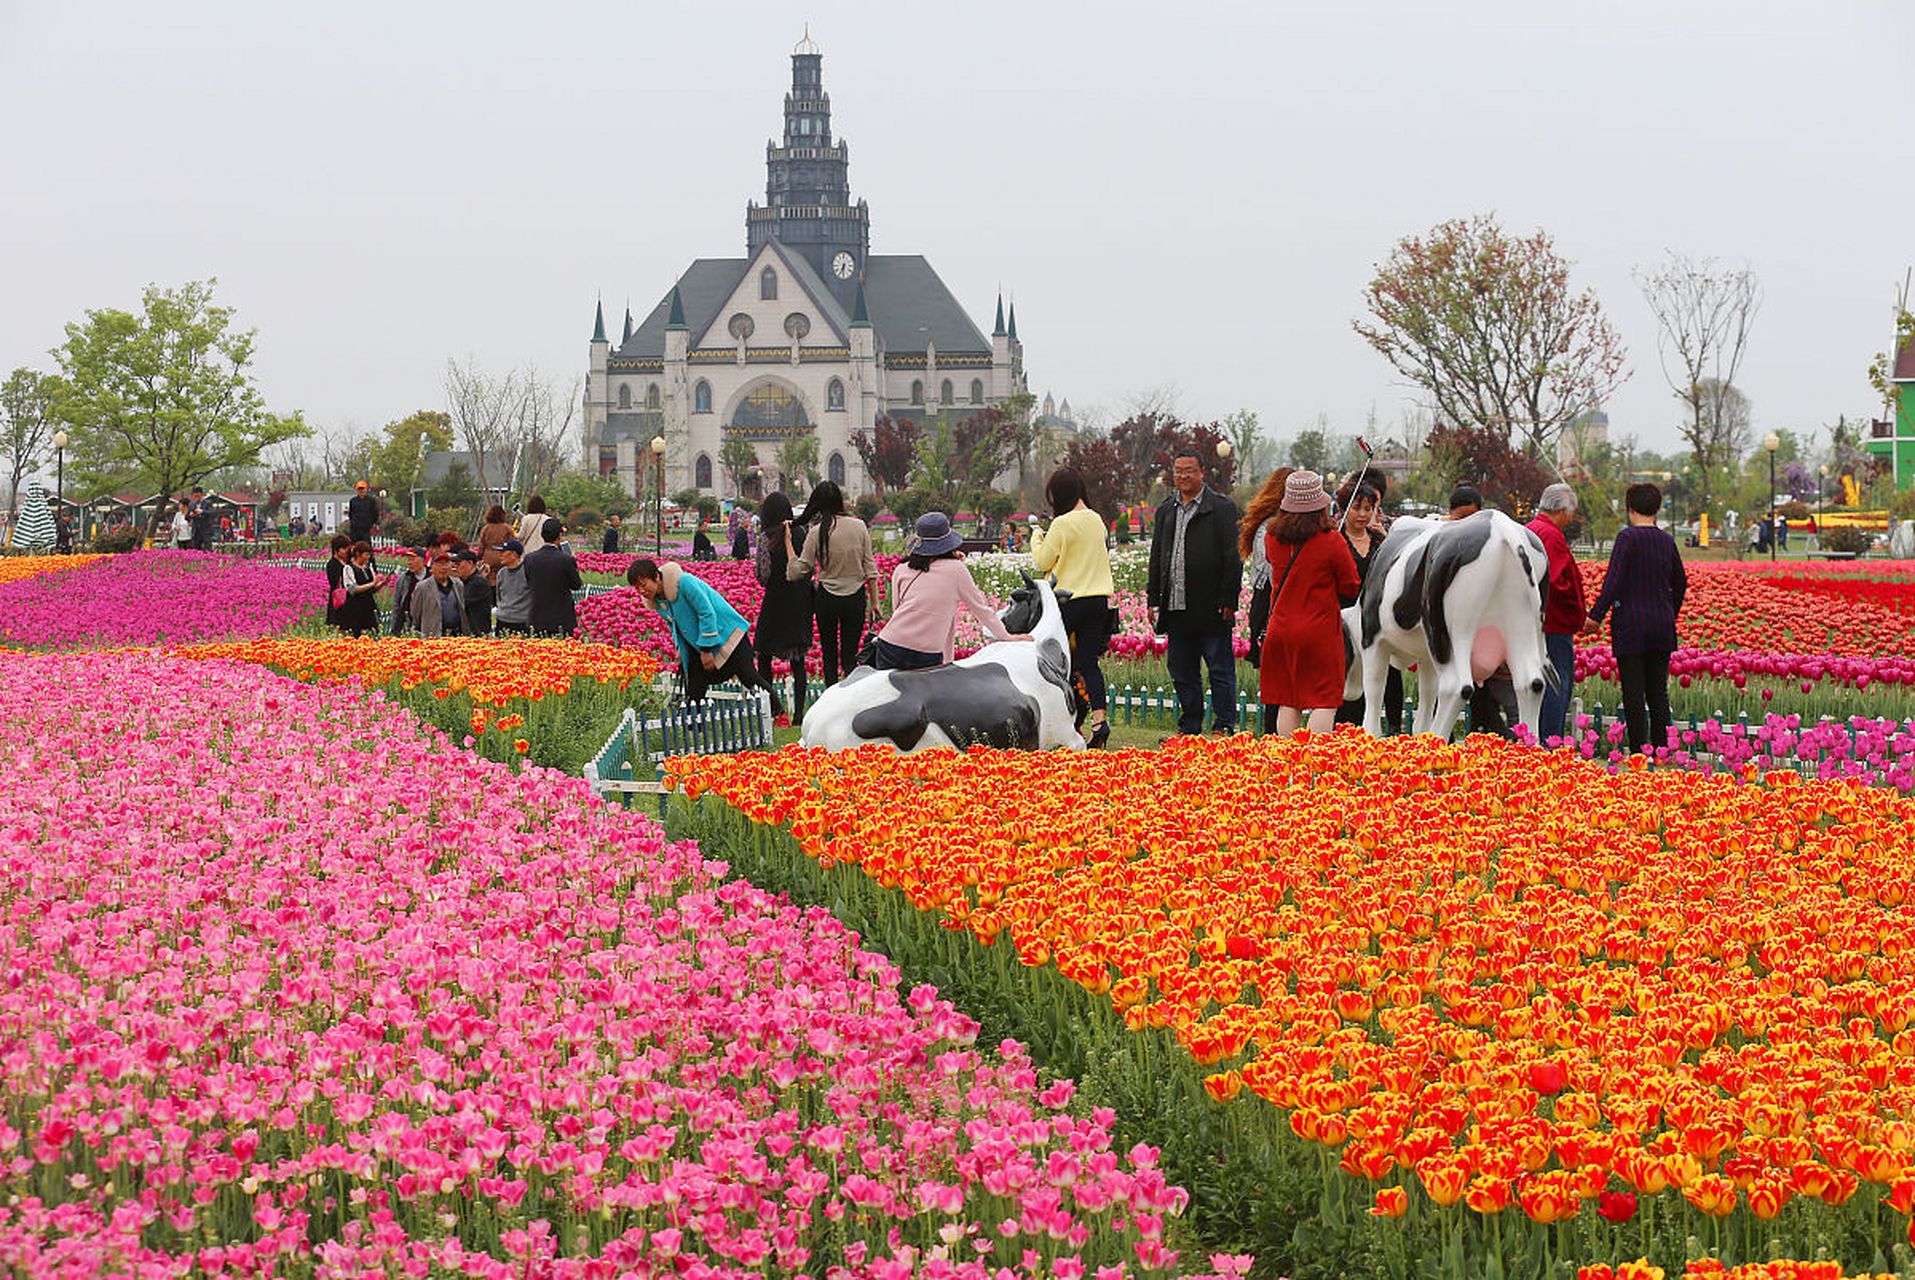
[809,333]
[1891,440]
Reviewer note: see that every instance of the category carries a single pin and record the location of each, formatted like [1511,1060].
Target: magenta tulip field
[156,598]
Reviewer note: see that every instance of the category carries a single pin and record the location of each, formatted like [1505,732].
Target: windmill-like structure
[34,532]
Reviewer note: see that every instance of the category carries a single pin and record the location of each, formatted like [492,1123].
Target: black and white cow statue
[1456,599]
[1007,694]
[1901,540]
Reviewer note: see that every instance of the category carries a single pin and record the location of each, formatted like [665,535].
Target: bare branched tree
[487,416]
[1160,401]
[548,411]
[1704,314]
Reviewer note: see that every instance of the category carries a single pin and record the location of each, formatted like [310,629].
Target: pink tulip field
[295,987]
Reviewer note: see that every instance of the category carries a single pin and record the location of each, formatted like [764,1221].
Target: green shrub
[115,542]
[867,507]
[584,518]
[908,504]
[402,529]
[1846,540]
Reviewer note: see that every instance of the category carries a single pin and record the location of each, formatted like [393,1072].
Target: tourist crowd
[1307,551]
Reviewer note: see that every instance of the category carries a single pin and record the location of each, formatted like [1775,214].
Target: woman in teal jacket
[714,641]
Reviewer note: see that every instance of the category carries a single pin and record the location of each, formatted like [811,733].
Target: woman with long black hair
[1074,552]
[1360,524]
[784,619]
[837,549]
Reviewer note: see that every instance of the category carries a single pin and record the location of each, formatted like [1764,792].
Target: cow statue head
[1026,609]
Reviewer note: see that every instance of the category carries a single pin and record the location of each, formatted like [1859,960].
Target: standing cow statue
[1455,599]
[1901,542]
[1004,695]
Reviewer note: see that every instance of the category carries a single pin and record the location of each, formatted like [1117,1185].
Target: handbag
[338,597]
[1263,598]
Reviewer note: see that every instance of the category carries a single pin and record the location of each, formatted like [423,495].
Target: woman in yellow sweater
[1074,552]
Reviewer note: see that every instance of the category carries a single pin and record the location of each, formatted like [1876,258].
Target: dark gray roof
[702,289]
[906,296]
[906,299]
[435,464]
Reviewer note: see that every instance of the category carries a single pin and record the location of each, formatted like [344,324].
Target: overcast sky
[1192,197]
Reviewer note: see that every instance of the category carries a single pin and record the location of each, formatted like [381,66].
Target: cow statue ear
[1060,594]
[1026,575]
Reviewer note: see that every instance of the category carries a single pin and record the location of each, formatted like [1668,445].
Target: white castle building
[809,332]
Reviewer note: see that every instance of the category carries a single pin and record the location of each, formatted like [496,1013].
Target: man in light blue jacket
[714,641]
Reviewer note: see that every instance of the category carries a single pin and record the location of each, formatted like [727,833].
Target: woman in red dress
[1310,565]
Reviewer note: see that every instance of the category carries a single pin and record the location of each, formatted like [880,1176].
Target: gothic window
[834,394]
[770,411]
[701,471]
[977,391]
[741,326]
[917,392]
[768,283]
[624,395]
[797,325]
[651,396]
[701,397]
[835,469]
[944,392]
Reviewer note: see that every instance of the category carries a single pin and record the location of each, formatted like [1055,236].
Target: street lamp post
[59,483]
[1821,482]
[1772,442]
[658,460]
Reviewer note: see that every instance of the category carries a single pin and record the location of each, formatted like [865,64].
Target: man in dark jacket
[1196,575]
[362,513]
[200,512]
[478,591]
[610,546]
[552,575]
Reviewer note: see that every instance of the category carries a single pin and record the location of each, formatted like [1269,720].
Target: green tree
[1247,441]
[739,457]
[798,459]
[1310,451]
[1486,325]
[165,398]
[26,404]
[569,490]
[395,461]
[455,493]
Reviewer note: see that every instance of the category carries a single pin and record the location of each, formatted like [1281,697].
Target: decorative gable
[777,302]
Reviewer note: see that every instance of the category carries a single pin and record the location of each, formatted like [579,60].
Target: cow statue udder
[1455,599]
[1007,694]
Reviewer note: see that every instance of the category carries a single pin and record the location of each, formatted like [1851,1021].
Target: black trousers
[800,684]
[1645,697]
[840,631]
[742,666]
[1087,623]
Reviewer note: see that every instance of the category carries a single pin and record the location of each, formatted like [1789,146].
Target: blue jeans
[1562,656]
[1212,649]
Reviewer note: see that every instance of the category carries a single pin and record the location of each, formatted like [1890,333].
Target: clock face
[843,265]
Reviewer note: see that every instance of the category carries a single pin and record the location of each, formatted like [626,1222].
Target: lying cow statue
[1004,695]
[1455,599]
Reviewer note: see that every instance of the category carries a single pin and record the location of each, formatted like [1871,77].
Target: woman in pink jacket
[926,591]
